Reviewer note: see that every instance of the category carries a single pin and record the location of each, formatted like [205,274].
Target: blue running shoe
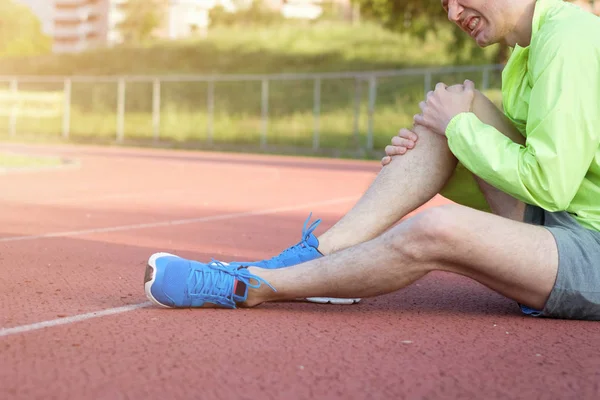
[303,251]
[175,282]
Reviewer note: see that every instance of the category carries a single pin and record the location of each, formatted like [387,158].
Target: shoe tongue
[312,241]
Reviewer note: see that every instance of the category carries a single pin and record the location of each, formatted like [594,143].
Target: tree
[400,15]
[21,31]
[142,18]
[420,17]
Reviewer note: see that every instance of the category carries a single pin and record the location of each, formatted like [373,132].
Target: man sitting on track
[528,183]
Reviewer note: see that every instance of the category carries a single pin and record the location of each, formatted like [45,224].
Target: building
[74,25]
[77,25]
[180,18]
[311,9]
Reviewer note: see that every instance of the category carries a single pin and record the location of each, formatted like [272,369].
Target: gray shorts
[576,293]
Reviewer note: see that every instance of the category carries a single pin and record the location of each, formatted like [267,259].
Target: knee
[426,236]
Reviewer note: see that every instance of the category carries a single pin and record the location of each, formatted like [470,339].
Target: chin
[483,41]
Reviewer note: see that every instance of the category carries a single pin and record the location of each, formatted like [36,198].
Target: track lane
[444,337]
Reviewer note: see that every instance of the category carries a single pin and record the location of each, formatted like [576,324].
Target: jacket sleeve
[563,132]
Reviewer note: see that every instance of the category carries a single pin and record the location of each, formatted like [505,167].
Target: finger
[394,150]
[440,86]
[386,160]
[408,134]
[419,119]
[402,142]
[422,106]
[469,85]
[429,94]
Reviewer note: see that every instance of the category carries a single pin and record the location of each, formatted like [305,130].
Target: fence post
[210,105]
[486,79]
[12,121]
[265,112]
[120,110]
[316,112]
[66,128]
[156,109]
[427,84]
[372,98]
[357,101]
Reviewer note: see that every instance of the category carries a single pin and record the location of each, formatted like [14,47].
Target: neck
[523,15]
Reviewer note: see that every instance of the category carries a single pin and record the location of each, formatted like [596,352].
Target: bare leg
[515,259]
[411,180]
[405,184]
[500,202]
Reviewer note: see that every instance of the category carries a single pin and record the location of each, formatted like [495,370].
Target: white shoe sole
[326,300]
[150,276]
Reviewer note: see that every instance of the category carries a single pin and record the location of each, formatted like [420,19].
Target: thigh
[516,259]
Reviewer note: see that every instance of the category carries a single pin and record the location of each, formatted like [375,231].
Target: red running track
[75,323]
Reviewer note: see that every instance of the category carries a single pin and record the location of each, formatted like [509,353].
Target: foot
[305,250]
[175,282]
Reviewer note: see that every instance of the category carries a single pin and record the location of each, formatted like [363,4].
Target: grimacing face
[486,21]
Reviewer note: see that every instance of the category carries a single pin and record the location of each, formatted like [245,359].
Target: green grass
[286,133]
[321,47]
[10,161]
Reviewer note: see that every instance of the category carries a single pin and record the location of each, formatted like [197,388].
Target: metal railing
[370,79]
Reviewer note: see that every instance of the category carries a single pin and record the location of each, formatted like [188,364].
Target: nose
[454,12]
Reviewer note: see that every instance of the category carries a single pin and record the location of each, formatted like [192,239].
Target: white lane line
[179,221]
[112,311]
[70,320]
[48,168]
[79,200]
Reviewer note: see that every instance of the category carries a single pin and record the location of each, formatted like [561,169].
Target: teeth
[473,23]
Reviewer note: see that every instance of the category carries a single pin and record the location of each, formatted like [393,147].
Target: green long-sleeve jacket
[551,92]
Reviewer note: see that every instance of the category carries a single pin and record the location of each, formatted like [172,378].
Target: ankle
[262,294]
[324,245]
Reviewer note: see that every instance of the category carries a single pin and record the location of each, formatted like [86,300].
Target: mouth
[472,26]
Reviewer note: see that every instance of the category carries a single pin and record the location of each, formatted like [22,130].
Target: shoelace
[306,232]
[213,282]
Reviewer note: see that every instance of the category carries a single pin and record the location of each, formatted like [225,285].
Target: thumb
[469,85]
